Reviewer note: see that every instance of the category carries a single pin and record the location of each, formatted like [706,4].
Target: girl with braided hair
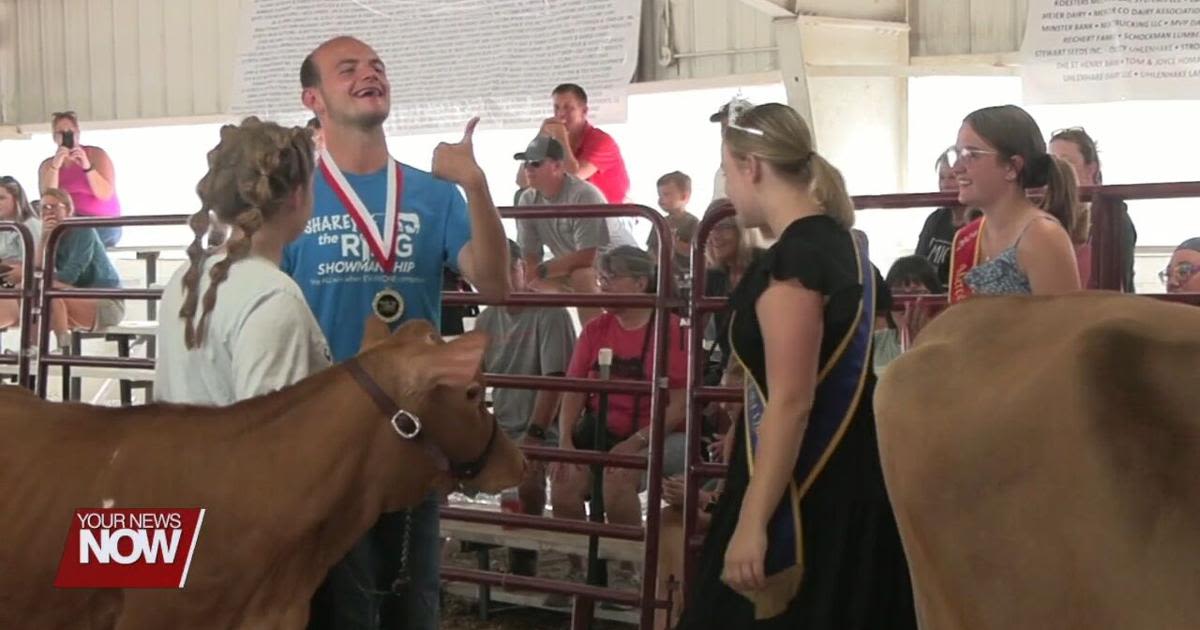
[234,326]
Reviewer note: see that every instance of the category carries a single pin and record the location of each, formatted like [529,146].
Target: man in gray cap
[572,241]
[1182,274]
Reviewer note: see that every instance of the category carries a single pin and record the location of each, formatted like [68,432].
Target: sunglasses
[533,164]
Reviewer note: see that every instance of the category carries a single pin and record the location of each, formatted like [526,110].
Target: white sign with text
[448,60]
[1090,51]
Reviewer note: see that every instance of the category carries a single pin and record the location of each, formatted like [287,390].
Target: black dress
[855,575]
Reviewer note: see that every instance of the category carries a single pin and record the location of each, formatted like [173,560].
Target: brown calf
[290,481]
[1043,459]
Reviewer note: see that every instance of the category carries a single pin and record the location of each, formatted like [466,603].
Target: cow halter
[408,426]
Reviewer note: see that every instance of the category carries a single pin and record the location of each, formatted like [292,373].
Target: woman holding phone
[84,172]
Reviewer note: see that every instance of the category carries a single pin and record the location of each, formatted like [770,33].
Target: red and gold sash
[964,256]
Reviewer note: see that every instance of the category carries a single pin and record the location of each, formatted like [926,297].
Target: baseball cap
[541,148]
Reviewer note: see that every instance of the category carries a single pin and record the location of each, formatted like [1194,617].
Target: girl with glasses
[80,261]
[1017,246]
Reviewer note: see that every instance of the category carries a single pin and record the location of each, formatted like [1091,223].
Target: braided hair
[252,173]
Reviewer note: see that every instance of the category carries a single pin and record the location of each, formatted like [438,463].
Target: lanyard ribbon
[384,252]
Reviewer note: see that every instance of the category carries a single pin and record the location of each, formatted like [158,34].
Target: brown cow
[1043,458]
[290,481]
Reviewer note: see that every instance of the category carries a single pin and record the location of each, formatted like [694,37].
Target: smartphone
[68,139]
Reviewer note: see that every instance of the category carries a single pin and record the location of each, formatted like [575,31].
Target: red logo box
[129,548]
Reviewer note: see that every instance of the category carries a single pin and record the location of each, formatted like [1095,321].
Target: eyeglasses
[1183,271]
[737,108]
[52,206]
[965,155]
[607,279]
[533,163]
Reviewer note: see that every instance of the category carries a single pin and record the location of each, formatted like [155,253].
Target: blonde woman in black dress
[803,536]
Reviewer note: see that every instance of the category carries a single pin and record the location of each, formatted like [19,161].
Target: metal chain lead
[402,574]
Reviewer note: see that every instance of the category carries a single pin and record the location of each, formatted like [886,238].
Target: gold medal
[388,305]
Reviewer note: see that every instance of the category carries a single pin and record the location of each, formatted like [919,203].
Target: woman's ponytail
[1061,199]
[828,187]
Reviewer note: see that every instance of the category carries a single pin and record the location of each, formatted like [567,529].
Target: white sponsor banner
[448,60]
[1087,51]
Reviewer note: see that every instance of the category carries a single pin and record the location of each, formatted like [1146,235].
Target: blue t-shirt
[337,272]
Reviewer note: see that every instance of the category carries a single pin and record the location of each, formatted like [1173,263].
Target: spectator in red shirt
[629,333]
[593,155]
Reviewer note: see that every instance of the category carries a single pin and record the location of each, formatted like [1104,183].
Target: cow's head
[441,383]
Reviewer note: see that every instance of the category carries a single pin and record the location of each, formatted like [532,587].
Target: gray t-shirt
[567,234]
[11,247]
[527,342]
[683,228]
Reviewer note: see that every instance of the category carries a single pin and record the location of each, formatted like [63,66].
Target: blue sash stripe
[839,387]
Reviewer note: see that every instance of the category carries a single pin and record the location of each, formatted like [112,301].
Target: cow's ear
[458,363]
[416,330]
[375,332]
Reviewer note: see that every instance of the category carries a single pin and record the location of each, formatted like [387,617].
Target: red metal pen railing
[27,295]
[661,302]
[48,293]
[1106,268]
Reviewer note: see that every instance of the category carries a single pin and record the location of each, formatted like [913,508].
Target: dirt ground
[459,613]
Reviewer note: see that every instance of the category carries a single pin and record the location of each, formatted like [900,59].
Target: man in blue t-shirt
[380,234]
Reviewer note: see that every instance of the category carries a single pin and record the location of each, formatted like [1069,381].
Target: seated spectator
[728,253]
[937,235]
[80,261]
[674,192]
[1075,147]
[528,342]
[83,172]
[1182,274]
[887,342]
[628,332]
[15,206]
[453,317]
[909,275]
[572,242]
[912,275]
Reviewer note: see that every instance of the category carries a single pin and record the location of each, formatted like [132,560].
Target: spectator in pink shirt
[84,172]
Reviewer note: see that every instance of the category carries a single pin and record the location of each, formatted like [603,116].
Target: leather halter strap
[408,426]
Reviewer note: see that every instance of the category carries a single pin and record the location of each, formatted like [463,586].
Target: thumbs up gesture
[456,162]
